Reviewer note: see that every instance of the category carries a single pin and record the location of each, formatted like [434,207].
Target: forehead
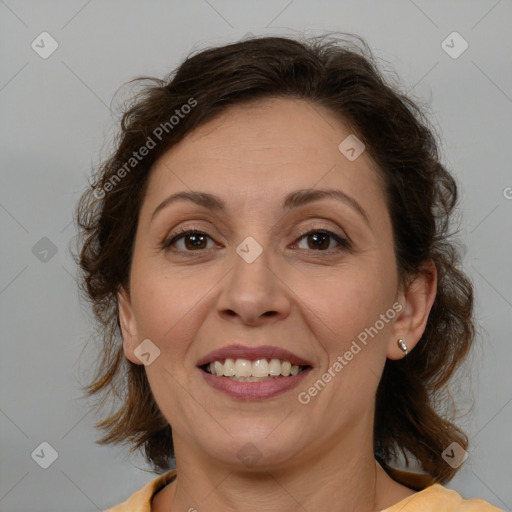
[269,147]
[272,129]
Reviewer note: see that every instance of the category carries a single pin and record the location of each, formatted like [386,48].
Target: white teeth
[260,368]
[229,368]
[251,379]
[275,367]
[219,367]
[286,368]
[243,368]
[247,371]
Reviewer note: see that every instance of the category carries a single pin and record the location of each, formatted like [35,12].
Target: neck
[342,478]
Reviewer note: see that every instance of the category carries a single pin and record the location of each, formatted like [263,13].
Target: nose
[253,293]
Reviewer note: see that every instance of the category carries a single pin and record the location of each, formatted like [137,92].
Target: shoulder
[140,501]
[436,497]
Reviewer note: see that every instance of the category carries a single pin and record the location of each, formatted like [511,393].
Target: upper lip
[252,354]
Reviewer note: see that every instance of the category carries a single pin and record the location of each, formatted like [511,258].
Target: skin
[313,302]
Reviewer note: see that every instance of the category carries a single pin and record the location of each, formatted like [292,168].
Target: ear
[417,299]
[128,325]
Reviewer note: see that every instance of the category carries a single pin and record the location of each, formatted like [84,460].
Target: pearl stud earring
[401,344]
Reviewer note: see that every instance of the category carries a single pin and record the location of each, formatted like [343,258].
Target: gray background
[56,124]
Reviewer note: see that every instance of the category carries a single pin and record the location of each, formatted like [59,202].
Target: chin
[258,448]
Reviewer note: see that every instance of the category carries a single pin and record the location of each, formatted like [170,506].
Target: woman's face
[252,278]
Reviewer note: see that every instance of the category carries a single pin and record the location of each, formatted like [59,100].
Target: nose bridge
[253,249]
[253,288]
[251,263]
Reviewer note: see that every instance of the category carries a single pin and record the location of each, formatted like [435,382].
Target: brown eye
[322,240]
[319,241]
[193,240]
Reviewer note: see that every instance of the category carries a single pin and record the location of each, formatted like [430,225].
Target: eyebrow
[294,199]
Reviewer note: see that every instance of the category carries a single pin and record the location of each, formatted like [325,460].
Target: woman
[267,251]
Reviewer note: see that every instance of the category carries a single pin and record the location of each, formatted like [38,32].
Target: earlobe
[410,324]
[128,325]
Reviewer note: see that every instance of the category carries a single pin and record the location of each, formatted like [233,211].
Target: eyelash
[182,233]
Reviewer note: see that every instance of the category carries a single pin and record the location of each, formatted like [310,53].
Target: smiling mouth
[245,370]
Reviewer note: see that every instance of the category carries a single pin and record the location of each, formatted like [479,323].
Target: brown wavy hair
[338,72]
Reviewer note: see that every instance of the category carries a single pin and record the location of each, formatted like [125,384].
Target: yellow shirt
[434,498]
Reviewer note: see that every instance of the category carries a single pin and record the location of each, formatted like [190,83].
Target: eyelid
[314,226]
[342,240]
[180,233]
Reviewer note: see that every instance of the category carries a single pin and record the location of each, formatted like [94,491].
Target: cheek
[345,303]
[166,304]
[343,314]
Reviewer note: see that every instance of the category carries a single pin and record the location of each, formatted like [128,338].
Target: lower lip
[254,390]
